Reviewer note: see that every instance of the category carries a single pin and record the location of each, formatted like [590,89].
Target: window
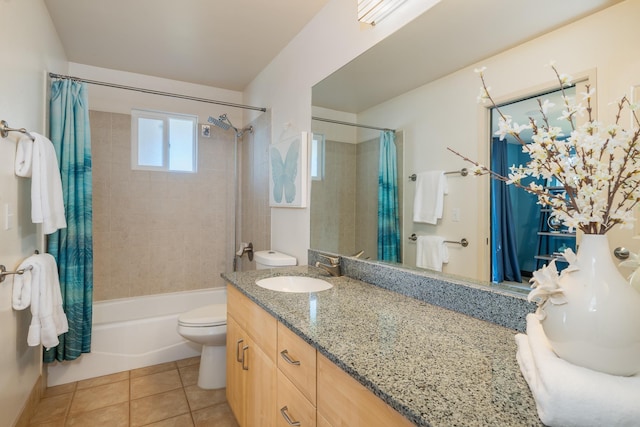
[163,141]
[317,157]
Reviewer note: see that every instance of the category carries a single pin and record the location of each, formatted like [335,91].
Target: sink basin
[294,284]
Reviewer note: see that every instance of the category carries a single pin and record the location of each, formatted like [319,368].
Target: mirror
[415,81]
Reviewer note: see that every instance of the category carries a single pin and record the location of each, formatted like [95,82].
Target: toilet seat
[209,315]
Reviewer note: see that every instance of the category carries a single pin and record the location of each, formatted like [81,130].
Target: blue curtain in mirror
[72,247]
[388,216]
[504,262]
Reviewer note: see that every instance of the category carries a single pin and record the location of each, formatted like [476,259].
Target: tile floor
[163,395]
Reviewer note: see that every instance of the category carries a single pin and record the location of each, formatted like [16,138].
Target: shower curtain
[72,247]
[504,264]
[388,217]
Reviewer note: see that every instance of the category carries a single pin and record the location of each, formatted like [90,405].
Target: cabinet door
[235,374]
[343,401]
[260,391]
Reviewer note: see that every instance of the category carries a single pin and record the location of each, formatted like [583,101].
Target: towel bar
[463,242]
[5,129]
[463,172]
[4,272]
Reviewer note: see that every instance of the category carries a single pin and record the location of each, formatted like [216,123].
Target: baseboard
[32,403]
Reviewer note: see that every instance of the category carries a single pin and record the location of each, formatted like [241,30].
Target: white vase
[599,326]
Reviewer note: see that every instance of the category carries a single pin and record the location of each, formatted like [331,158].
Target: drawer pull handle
[245,366]
[287,418]
[288,359]
[238,358]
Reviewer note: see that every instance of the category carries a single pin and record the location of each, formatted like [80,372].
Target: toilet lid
[209,315]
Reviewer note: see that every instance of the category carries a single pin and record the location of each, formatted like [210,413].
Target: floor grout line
[183,376]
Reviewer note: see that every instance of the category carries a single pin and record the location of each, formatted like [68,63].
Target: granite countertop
[435,366]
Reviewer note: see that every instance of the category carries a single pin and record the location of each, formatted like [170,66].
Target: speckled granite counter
[435,366]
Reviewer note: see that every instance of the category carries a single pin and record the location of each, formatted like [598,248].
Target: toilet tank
[273,259]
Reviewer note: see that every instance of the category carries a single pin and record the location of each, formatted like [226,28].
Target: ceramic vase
[599,325]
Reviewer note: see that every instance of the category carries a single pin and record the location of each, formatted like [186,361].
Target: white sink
[294,284]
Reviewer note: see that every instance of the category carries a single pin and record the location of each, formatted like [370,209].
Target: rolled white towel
[568,395]
[24,157]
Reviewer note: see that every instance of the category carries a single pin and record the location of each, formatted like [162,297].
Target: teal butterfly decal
[284,172]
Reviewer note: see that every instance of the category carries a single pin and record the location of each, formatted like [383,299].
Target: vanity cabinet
[275,378]
[251,366]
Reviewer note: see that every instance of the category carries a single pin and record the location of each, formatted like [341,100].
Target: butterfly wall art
[288,172]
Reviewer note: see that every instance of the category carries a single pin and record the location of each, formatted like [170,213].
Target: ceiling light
[374,11]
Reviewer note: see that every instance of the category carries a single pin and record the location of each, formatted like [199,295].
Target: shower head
[224,123]
[220,122]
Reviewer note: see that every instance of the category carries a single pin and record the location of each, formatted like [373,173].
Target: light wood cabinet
[297,360]
[296,380]
[251,368]
[342,401]
[293,407]
[275,378]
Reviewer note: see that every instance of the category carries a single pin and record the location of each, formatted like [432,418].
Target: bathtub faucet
[245,248]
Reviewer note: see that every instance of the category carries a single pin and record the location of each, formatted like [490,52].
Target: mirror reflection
[426,90]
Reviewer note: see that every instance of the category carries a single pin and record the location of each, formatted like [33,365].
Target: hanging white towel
[47,205]
[24,157]
[568,395]
[428,202]
[431,252]
[39,287]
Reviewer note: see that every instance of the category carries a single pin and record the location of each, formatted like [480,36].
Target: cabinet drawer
[260,325]
[297,360]
[292,404]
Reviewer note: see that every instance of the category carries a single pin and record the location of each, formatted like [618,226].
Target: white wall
[445,114]
[30,46]
[328,42]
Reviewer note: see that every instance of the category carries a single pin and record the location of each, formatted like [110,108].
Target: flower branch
[596,166]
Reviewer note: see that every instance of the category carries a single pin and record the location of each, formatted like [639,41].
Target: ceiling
[225,44]
[451,35]
[217,43]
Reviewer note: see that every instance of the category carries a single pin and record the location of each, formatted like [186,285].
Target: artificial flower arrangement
[597,166]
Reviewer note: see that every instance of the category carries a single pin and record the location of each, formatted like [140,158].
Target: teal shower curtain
[388,217]
[72,247]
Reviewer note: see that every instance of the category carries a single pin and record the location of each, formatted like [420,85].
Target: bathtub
[132,333]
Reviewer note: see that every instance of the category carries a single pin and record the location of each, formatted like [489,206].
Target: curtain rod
[156,92]
[320,119]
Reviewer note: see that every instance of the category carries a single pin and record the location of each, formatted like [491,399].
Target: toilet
[208,326]
[273,259]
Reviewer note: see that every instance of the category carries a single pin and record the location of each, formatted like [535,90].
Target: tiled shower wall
[158,232]
[333,200]
[344,205]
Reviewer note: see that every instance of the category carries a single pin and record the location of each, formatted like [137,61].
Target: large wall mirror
[420,82]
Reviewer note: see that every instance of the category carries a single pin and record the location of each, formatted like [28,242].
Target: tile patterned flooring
[164,395]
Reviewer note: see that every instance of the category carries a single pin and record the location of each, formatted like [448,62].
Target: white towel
[24,157]
[568,395]
[40,288]
[428,202]
[431,252]
[47,205]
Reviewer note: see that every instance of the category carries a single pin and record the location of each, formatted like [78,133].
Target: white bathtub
[132,333]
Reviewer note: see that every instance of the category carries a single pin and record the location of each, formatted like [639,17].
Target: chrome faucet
[333,268]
